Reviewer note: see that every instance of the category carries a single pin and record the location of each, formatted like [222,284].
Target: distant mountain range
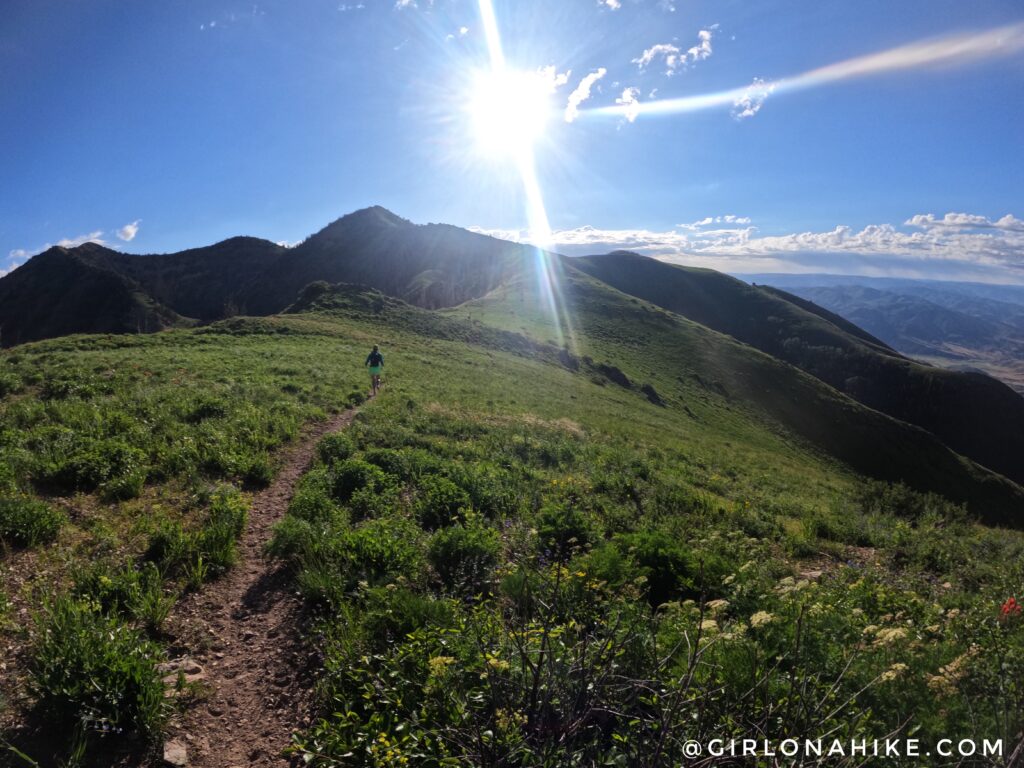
[93,289]
[813,371]
[961,326]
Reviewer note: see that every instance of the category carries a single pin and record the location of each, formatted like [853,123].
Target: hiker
[375,361]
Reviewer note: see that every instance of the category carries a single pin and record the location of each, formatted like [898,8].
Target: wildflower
[893,672]
[709,626]
[1010,608]
[890,635]
[439,664]
[497,664]
[761,618]
[716,607]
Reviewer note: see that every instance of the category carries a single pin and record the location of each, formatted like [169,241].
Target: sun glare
[509,110]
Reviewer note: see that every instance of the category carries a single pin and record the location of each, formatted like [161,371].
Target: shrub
[69,462]
[352,475]
[208,552]
[392,461]
[27,522]
[127,592]
[124,487]
[464,556]
[335,448]
[312,500]
[90,666]
[562,529]
[257,472]
[392,614]
[379,551]
[440,502]
[293,541]
[10,383]
[671,569]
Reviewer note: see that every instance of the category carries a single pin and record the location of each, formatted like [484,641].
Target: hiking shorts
[376,369]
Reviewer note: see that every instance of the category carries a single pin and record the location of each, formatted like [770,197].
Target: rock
[175,754]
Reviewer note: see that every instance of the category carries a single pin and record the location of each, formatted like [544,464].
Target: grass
[519,550]
[589,599]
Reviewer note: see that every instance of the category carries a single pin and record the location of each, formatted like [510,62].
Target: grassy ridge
[509,589]
[460,511]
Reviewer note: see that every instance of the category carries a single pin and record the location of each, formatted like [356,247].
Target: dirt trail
[240,639]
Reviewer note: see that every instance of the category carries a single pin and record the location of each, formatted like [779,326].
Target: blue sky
[160,126]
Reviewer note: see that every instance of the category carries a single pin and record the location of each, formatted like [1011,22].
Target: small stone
[175,754]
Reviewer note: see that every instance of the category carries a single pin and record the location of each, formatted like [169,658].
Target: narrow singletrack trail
[239,638]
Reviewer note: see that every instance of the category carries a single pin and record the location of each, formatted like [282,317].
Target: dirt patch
[240,640]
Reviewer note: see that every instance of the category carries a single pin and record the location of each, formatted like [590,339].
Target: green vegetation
[516,554]
[612,609]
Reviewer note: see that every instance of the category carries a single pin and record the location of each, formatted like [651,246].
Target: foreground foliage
[566,600]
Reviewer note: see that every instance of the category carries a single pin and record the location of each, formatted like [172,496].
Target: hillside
[648,462]
[64,291]
[959,333]
[974,414]
[432,265]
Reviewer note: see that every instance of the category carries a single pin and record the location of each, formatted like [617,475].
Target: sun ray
[525,130]
[946,51]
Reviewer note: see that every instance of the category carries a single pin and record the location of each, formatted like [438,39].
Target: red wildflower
[1010,608]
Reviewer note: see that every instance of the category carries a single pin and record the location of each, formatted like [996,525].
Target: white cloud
[74,242]
[674,57]
[965,221]
[344,7]
[955,246]
[728,218]
[702,49]
[582,93]
[18,256]
[749,103]
[630,101]
[129,231]
[613,5]
[662,50]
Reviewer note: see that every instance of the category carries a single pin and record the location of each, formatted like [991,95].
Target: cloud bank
[956,246]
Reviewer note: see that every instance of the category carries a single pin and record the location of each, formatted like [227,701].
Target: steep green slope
[61,292]
[204,283]
[685,363]
[433,265]
[513,456]
[974,414]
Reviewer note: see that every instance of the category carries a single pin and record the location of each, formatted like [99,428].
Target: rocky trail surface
[239,639]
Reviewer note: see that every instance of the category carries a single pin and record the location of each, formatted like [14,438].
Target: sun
[509,110]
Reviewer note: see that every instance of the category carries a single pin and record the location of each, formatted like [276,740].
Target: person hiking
[375,361]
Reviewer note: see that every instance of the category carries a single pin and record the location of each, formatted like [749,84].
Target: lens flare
[953,50]
[509,110]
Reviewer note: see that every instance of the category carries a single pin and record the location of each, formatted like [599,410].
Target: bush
[669,567]
[89,668]
[9,383]
[464,556]
[68,462]
[562,529]
[440,502]
[257,472]
[352,475]
[335,448]
[125,487]
[135,593]
[293,541]
[379,551]
[312,500]
[392,614]
[207,553]
[27,522]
